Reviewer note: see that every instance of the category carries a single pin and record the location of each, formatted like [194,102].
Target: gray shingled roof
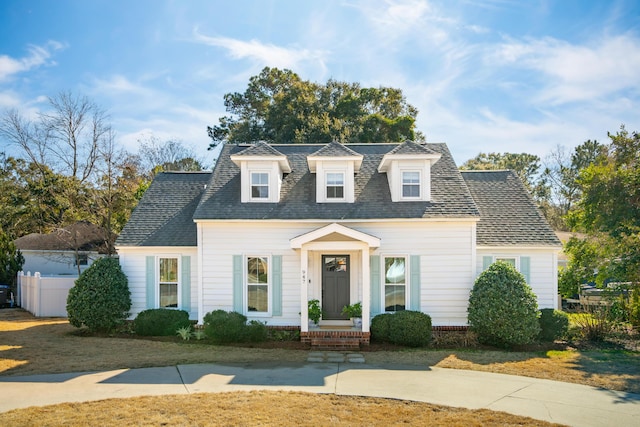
[508,215]
[410,147]
[164,216]
[259,149]
[335,149]
[450,196]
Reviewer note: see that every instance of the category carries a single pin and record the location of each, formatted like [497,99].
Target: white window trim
[260,199]
[245,291]
[178,280]
[420,184]
[344,185]
[407,275]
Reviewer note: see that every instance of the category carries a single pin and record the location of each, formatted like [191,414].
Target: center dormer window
[335,185]
[410,184]
[259,185]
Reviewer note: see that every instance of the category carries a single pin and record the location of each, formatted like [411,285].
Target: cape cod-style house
[393,226]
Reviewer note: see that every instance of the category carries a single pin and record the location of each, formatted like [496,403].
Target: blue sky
[486,75]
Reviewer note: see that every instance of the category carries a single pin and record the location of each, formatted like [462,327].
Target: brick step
[333,343]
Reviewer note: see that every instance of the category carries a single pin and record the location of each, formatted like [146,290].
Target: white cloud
[120,84]
[577,72]
[38,55]
[266,54]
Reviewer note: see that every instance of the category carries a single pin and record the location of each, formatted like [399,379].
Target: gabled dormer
[335,166]
[261,171]
[408,169]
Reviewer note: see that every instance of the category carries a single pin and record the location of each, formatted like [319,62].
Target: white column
[304,290]
[366,289]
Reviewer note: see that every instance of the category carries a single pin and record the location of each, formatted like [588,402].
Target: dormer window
[335,185]
[259,185]
[411,185]
[408,169]
[262,169]
[335,166]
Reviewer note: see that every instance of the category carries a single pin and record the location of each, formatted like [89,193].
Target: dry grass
[35,346]
[258,408]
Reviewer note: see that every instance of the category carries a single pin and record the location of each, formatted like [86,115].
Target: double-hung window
[411,184]
[257,275]
[395,283]
[168,283]
[259,185]
[335,185]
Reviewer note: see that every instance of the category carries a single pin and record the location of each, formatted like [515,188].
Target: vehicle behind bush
[554,324]
[160,322]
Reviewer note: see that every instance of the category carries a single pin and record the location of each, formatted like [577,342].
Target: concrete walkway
[565,403]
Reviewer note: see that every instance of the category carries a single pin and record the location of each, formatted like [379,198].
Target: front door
[335,286]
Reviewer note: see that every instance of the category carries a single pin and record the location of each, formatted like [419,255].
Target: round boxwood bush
[100,299]
[410,328]
[380,327]
[554,324]
[160,322]
[224,326]
[503,310]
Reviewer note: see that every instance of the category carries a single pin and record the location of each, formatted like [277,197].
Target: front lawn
[36,346]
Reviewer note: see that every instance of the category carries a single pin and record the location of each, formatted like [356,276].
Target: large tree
[609,212]
[279,107]
[526,166]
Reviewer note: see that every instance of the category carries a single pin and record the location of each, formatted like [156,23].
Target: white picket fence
[44,296]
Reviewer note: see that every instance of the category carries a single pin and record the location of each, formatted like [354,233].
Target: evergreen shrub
[160,322]
[503,310]
[100,299]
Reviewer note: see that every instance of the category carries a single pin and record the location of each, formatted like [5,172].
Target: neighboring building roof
[450,196]
[81,236]
[164,215]
[508,214]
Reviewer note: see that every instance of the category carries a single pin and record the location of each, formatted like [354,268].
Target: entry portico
[335,239]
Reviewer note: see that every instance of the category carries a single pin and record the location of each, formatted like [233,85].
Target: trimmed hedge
[554,324]
[409,328]
[380,327]
[100,299]
[160,322]
[503,310]
[230,326]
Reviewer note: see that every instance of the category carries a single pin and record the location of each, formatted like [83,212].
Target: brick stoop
[335,340]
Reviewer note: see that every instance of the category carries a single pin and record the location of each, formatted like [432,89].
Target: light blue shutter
[186,283]
[151,281]
[486,262]
[276,291]
[414,283]
[374,271]
[525,268]
[237,284]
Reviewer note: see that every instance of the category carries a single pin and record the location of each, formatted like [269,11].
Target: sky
[485,75]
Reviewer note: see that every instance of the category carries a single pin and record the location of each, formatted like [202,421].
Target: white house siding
[445,250]
[133,264]
[543,270]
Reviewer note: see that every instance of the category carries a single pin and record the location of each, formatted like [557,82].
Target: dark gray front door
[335,286]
